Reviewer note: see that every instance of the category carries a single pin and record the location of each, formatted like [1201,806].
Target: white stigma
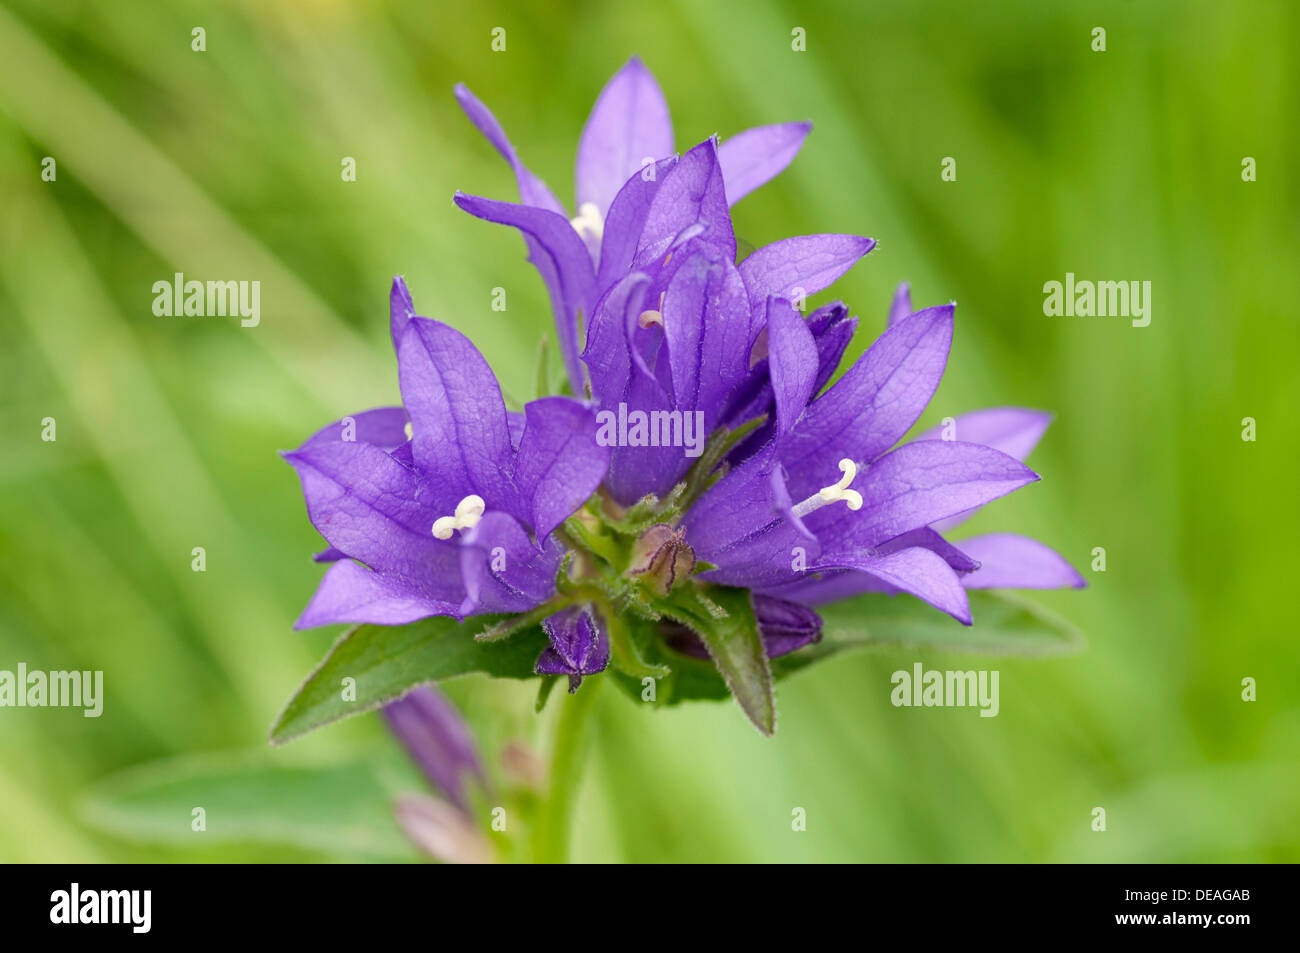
[654,316]
[408,430]
[588,222]
[834,493]
[468,512]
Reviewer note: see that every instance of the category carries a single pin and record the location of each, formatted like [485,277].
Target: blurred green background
[1123,164]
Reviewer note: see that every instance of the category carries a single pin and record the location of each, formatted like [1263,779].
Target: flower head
[637,554]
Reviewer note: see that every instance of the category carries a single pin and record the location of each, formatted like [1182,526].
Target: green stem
[568,757]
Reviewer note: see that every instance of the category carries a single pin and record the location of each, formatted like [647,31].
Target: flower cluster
[453,505]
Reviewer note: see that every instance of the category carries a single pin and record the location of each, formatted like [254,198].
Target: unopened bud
[662,558]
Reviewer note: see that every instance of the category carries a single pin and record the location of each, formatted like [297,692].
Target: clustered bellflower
[583,514]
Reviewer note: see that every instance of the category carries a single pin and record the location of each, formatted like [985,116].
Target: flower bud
[784,625]
[662,558]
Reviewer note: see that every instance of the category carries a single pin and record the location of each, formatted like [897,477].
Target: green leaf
[725,623]
[388,661]
[1004,624]
[343,809]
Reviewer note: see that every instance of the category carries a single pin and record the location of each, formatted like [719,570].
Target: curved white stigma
[468,512]
[834,493]
[654,316]
[408,430]
[588,222]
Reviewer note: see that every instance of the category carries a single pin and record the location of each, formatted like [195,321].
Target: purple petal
[927,538]
[401,309]
[330,554]
[560,462]
[626,220]
[832,329]
[503,570]
[785,626]
[607,356]
[635,471]
[377,511]
[1013,430]
[629,124]
[461,435]
[579,645]
[1008,561]
[354,594]
[756,156]
[532,190]
[901,306]
[708,330]
[914,486]
[384,427]
[917,571]
[691,194]
[793,360]
[800,266]
[437,739]
[873,404]
[561,258]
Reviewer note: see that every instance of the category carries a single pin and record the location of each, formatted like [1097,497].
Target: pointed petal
[560,462]
[502,569]
[691,194]
[927,538]
[532,190]
[378,511]
[628,124]
[1008,561]
[916,485]
[400,309]
[461,435]
[803,265]
[901,306]
[436,737]
[756,156]
[1013,430]
[793,359]
[561,258]
[351,593]
[917,571]
[384,427]
[873,404]
[626,220]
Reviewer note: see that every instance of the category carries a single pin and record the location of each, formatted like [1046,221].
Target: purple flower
[438,740]
[445,506]
[802,493]
[652,236]
[579,645]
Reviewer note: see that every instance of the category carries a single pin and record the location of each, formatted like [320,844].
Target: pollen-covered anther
[468,512]
[834,493]
[408,430]
[653,316]
[588,222]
